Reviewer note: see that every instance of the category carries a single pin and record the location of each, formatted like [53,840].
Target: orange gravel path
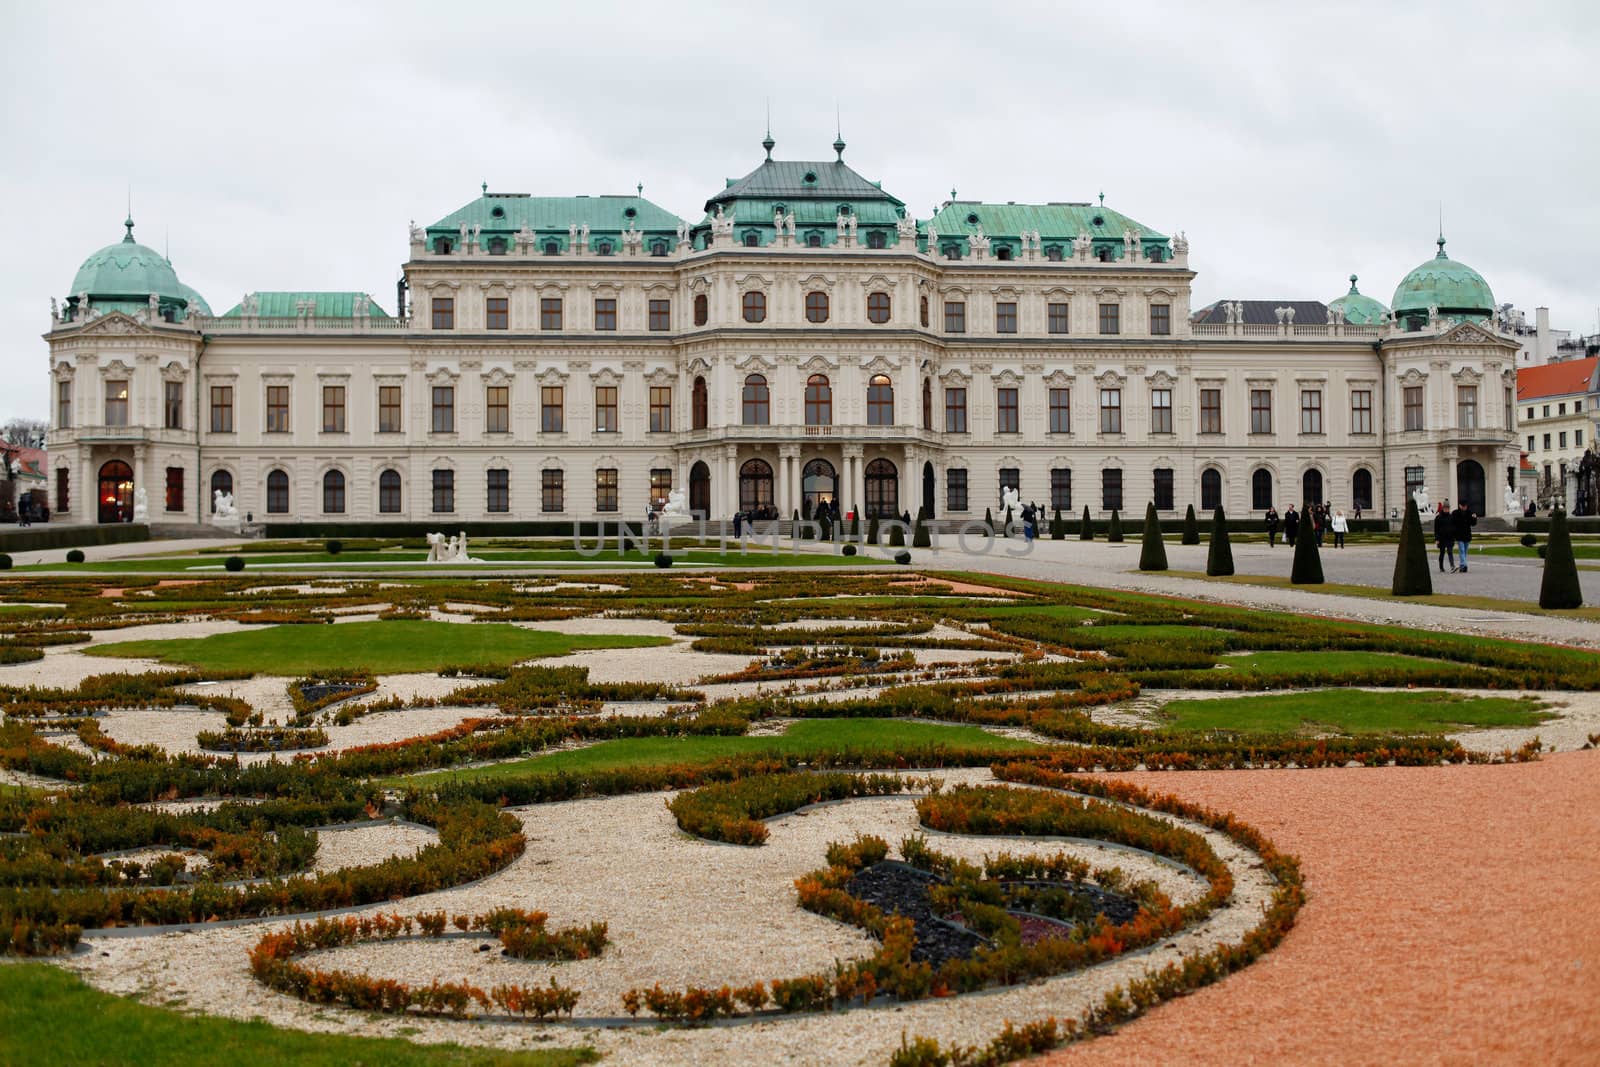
[1453,917]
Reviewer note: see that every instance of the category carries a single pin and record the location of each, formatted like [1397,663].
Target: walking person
[1318,521]
[1028,515]
[1463,520]
[1444,534]
[1291,526]
[1272,527]
[1340,528]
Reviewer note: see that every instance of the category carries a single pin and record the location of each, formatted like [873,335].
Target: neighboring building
[1539,343]
[1557,419]
[807,339]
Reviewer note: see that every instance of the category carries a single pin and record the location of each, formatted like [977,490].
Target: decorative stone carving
[453,550]
[141,505]
[1420,495]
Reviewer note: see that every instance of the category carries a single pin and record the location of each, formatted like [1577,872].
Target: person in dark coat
[1462,521]
[1272,527]
[1291,526]
[1444,534]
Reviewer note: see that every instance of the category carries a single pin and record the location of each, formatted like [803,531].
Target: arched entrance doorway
[116,492]
[927,489]
[1470,488]
[755,488]
[883,490]
[700,489]
[818,483]
[1311,487]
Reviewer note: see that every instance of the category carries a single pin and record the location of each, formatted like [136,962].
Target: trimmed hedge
[33,538]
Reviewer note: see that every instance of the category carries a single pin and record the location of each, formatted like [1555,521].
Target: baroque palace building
[806,339]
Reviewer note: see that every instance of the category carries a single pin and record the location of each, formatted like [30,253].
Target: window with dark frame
[1111,411]
[63,409]
[955,410]
[63,491]
[660,486]
[1111,489]
[819,401]
[333,493]
[277,409]
[955,316]
[1211,411]
[702,310]
[878,308]
[1261,490]
[955,489]
[389,492]
[1160,319]
[1058,319]
[1467,407]
[550,313]
[1261,411]
[1005,316]
[497,313]
[552,490]
[927,404]
[756,400]
[1110,318]
[333,409]
[444,409]
[498,485]
[221,482]
[1010,478]
[1006,414]
[1415,477]
[660,315]
[552,409]
[1161,488]
[1210,489]
[497,409]
[1060,410]
[700,405]
[173,397]
[880,401]
[1060,489]
[1412,396]
[605,409]
[924,312]
[222,409]
[816,306]
[389,409]
[661,409]
[444,313]
[174,488]
[1161,411]
[1311,411]
[605,313]
[444,491]
[117,402]
[277,493]
[755,306]
[605,489]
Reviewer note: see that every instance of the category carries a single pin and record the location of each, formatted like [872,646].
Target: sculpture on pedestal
[141,505]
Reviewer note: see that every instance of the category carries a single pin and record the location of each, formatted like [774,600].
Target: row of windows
[1561,409]
[1561,440]
[1105,253]
[1057,317]
[1162,488]
[497,490]
[499,246]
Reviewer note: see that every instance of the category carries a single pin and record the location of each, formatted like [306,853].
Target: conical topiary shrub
[897,535]
[1560,588]
[1114,530]
[1191,528]
[988,520]
[1153,551]
[805,510]
[1058,528]
[1086,528]
[1219,557]
[827,528]
[1411,574]
[872,530]
[1307,568]
[919,535]
[855,526]
[1005,523]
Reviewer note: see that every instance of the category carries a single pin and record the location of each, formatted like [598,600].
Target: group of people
[1316,520]
[1452,532]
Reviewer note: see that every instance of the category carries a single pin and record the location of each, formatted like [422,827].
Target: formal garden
[671,814]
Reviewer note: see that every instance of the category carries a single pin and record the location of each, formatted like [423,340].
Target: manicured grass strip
[1372,592]
[383,647]
[1579,551]
[1353,711]
[1333,663]
[375,562]
[802,738]
[50,1016]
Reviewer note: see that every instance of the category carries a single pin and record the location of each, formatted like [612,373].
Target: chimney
[1542,348]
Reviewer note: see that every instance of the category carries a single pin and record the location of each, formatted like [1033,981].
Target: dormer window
[1053,253]
[603,248]
[552,248]
[441,246]
[952,251]
[752,239]
[1156,255]
[1104,255]
[813,240]
[1003,252]
[875,239]
[497,246]
[658,248]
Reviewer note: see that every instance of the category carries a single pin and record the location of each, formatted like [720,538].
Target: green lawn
[1374,592]
[383,647]
[804,736]
[1335,663]
[50,1016]
[1580,550]
[1353,711]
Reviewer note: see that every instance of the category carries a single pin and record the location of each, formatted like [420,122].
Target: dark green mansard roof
[328,305]
[812,191]
[1058,223]
[504,214]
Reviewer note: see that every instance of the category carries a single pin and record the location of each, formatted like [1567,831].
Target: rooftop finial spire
[127,238]
[1352,283]
[1102,198]
[1440,242]
[640,188]
[485,188]
[838,134]
[767,142]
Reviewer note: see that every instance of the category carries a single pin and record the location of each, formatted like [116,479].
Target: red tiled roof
[1557,379]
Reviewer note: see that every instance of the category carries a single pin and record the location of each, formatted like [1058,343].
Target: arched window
[1361,490]
[389,492]
[333,493]
[701,405]
[883,490]
[875,239]
[819,401]
[878,307]
[757,401]
[1261,490]
[552,248]
[880,401]
[221,482]
[277,493]
[755,487]
[755,306]
[1210,489]
[1311,486]
[816,306]
[700,489]
[1003,252]
[818,484]
[927,404]
[702,309]
[752,239]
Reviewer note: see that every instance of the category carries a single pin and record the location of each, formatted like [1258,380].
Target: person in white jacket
[1340,527]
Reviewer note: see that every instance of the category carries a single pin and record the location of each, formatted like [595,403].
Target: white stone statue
[525,238]
[683,233]
[721,225]
[222,505]
[417,236]
[979,242]
[583,236]
[1180,244]
[1010,505]
[141,505]
[675,512]
[463,233]
[1082,245]
[906,227]
[55,311]
[788,223]
[453,550]
[1420,496]
[1513,502]
[933,239]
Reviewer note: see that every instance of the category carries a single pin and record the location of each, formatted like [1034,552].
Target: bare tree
[28,433]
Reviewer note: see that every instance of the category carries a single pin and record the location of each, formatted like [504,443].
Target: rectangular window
[605,313]
[499,486]
[174,488]
[955,411]
[660,315]
[444,313]
[388,409]
[497,409]
[1414,479]
[1530,442]
[444,491]
[1211,411]
[277,409]
[497,313]
[1311,411]
[552,409]
[1467,407]
[1006,411]
[1160,318]
[173,397]
[605,409]
[660,486]
[333,409]
[1561,408]
[661,409]
[1577,438]
[955,489]
[1111,412]
[1577,405]
[1060,489]
[1010,478]
[1161,411]
[63,491]
[1511,408]
[552,491]
[277,493]
[1163,488]
[955,316]
[444,409]
[222,409]
[1361,411]
[1110,490]
[1061,411]
[1110,318]
[1547,442]
[1005,317]
[1413,407]
[1058,318]
[550,313]
[605,489]
[1261,411]
[117,402]
[63,409]
[1561,439]
[1544,412]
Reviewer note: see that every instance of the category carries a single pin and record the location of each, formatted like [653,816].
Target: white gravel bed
[680,910]
[166,631]
[675,664]
[196,804]
[361,846]
[553,587]
[604,624]
[831,624]
[176,729]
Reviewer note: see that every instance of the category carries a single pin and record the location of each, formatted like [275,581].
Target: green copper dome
[128,270]
[1454,288]
[1359,309]
[196,303]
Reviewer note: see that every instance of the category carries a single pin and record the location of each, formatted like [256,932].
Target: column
[796,483]
[730,464]
[855,475]
[139,481]
[87,488]
[787,498]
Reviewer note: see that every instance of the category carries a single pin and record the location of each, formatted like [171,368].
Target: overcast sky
[285,146]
